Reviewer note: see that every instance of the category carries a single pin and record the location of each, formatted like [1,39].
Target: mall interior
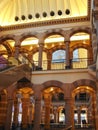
[48,64]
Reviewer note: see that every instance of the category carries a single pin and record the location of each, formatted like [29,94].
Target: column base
[38,68]
[67,67]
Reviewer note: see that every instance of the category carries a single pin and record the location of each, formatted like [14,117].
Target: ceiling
[23,11]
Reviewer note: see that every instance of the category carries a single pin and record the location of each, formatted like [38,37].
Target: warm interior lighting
[54,40]
[51,89]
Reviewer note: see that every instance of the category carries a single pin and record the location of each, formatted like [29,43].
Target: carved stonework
[96,3]
[96,14]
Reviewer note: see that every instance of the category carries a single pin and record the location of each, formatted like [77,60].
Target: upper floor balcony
[60,64]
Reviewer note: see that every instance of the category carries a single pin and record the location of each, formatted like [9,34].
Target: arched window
[58,56]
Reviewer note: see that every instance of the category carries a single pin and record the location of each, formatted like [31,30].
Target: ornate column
[79,115]
[3,109]
[49,57]
[67,44]
[25,107]
[94,112]
[47,100]
[17,47]
[97,103]
[40,58]
[94,44]
[16,112]
[55,115]
[17,102]
[30,114]
[69,112]
[10,104]
[69,105]
[37,109]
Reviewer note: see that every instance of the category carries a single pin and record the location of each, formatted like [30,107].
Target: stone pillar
[55,115]
[30,113]
[17,48]
[94,112]
[16,112]
[79,115]
[10,104]
[25,107]
[69,112]
[47,100]
[68,62]
[97,104]
[37,109]
[40,58]
[94,44]
[49,57]
[3,109]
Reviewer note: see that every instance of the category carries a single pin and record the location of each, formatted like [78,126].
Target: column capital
[95,14]
[96,3]
[41,44]
[10,93]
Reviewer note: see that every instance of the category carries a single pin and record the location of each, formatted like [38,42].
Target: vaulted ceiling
[23,11]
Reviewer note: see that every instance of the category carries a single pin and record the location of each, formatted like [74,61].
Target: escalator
[15,72]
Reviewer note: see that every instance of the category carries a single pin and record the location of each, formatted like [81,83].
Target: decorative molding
[96,14]
[46,23]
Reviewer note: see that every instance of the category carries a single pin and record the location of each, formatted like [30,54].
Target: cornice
[45,23]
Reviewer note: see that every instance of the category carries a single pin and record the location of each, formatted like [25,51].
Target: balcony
[60,64]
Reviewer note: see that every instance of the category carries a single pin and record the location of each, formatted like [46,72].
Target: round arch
[53,83]
[79,30]
[83,82]
[54,32]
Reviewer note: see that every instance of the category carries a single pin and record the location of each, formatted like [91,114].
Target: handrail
[68,128]
[60,64]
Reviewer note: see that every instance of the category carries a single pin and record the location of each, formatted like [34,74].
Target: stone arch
[62,47]
[4,42]
[27,35]
[80,46]
[81,29]
[54,32]
[7,37]
[83,82]
[52,83]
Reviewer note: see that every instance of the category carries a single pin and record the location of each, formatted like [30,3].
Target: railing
[68,128]
[5,66]
[79,63]
[84,126]
[59,64]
